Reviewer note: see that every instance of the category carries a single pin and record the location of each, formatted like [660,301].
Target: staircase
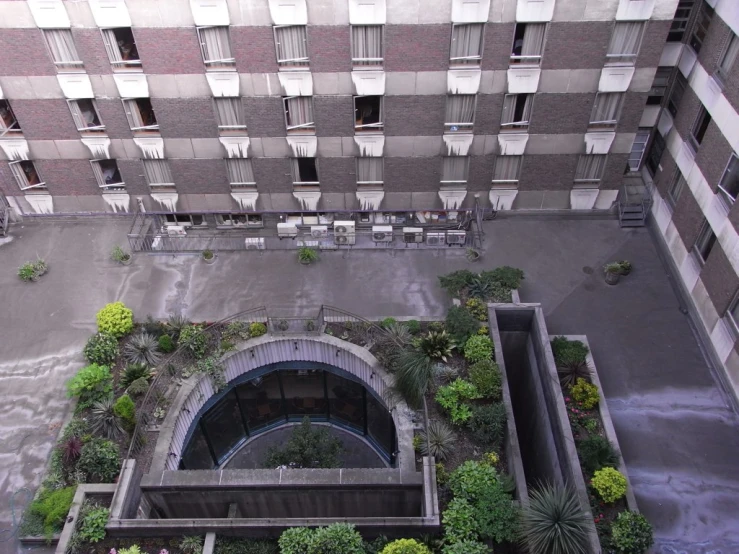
[634,202]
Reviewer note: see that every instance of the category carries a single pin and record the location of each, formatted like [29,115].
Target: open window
[85,115]
[698,131]
[215,47]
[516,112]
[239,220]
[676,93]
[240,173]
[230,114]
[367,52]
[728,57]
[8,122]
[454,170]
[140,114]
[659,86]
[304,171]
[62,49]
[370,173]
[680,21]
[700,28]
[528,43]
[654,154]
[637,149]
[507,170]
[299,114]
[705,242]
[26,175]
[676,188]
[367,113]
[121,48]
[606,109]
[625,42]
[460,113]
[728,187]
[158,175]
[187,220]
[107,174]
[466,49]
[590,168]
[291,44]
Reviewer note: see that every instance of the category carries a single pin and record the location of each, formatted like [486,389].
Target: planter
[211,260]
[305,262]
[612,278]
[126,261]
[473,255]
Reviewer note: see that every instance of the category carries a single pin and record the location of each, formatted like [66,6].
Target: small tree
[307,447]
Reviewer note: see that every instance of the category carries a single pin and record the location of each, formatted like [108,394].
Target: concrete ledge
[83,491]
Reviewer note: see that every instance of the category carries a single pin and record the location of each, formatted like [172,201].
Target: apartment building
[217,112]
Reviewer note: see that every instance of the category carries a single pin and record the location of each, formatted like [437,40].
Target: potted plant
[613,272]
[40,267]
[625,267]
[120,256]
[209,256]
[307,255]
[473,255]
[27,272]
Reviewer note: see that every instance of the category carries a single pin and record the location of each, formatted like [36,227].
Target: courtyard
[676,429]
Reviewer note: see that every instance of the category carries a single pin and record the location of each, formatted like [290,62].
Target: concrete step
[632,216]
[632,223]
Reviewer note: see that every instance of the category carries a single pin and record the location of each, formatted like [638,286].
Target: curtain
[466,43]
[157,172]
[84,115]
[299,111]
[239,171]
[215,44]
[140,116]
[369,170]
[606,107]
[625,40]
[590,167]
[454,168]
[367,44]
[507,168]
[61,46]
[229,113]
[25,175]
[517,109]
[460,110]
[729,57]
[533,39]
[292,46]
[111,46]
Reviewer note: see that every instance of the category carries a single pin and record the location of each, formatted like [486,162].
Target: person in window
[8,118]
[128,50]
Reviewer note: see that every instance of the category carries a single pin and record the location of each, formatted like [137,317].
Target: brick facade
[202,176]
[587,51]
[412,174]
[687,112]
[548,172]
[68,177]
[334,115]
[414,115]
[90,47]
[687,218]
[337,174]
[713,155]
[653,43]
[613,175]
[132,173]
[24,53]
[45,119]
[254,49]
[561,113]
[498,46]
[488,112]
[265,116]
[114,118]
[719,278]
[631,112]
[169,50]
[481,173]
[185,117]
[273,174]
[329,48]
[417,47]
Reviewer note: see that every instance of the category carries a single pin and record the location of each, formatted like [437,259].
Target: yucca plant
[414,371]
[438,440]
[399,333]
[436,345]
[142,349]
[480,289]
[133,372]
[176,323]
[554,522]
[572,370]
[71,449]
[104,421]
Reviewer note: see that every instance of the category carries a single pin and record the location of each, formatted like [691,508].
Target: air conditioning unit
[286,230]
[176,230]
[434,239]
[319,231]
[456,237]
[254,243]
[343,227]
[345,239]
[382,233]
[412,234]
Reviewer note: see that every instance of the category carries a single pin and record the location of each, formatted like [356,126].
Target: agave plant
[572,370]
[436,345]
[133,372]
[438,440]
[104,421]
[176,323]
[399,333]
[554,522]
[480,289]
[142,349]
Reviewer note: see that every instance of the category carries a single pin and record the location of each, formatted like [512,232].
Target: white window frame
[456,182]
[730,49]
[379,126]
[467,61]
[599,176]
[215,64]
[100,178]
[517,125]
[370,184]
[310,126]
[237,184]
[368,63]
[287,63]
[77,116]
[118,64]
[518,171]
[530,60]
[641,133]
[606,123]
[726,196]
[621,58]
[18,174]
[295,172]
[703,241]
[5,130]
[461,127]
[129,117]
[693,141]
[677,185]
[240,111]
[73,65]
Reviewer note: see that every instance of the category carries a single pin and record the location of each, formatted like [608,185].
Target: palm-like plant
[142,349]
[414,371]
[399,333]
[134,372]
[570,371]
[104,421]
[439,440]
[176,323]
[554,522]
[436,345]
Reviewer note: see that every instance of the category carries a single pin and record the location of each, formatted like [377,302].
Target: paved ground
[680,440]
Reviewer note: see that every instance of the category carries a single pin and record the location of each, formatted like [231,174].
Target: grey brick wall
[481,173]
[203,176]
[613,175]
[548,172]
[488,112]
[68,177]
[90,47]
[720,279]
[273,174]
[114,118]
[185,117]
[254,49]
[24,53]
[576,44]
[497,46]
[265,116]
[132,172]
[45,119]
[169,50]
[334,115]
[561,113]
[8,186]
[653,43]
[631,112]
[687,218]
[713,155]
[337,174]
[713,44]
[663,178]
[687,112]
[414,115]
[329,48]
[412,174]
[417,47]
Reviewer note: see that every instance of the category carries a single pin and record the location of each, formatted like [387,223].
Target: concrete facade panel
[45,119]
[587,52]
[160,13]
[337,174]
[68,177]
[203,176]
[273,175]
[497,46]
[334,116]
[412,174]
[265,116]
[169,50]
[417,47]
[24,53]
[414,115]
[720,279]
[90,47]
[687,218]
[185,118]
[254,49]
[329,48]
[713,155]
[16,14]
[561,113]
[547,172]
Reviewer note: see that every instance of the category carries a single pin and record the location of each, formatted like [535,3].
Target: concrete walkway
[680,441]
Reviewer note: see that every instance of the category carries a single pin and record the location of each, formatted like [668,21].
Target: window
[215,47]
[26,175]
[368,113]
[606,109]
[528,43]
[229,114]
[676,187]
[637,149]
[85,115]
[158,174]
[107,174]
[700,29]
[659,86]
[655,153]
[676,94]
[240,173]
[140,114]
[304,171]
[507,169]
[292,46]
[299,113]
[121,48]
[680,21]
[8,121]
[460,113]
[733,315]
[728,57]
[454,169]
[729,185]
[466,44]
[194,220]
[625,41]
[367,46]
[516,111]
[62,50]
[370,171]
[590,168]
[704,243]
[698,132]
[239,220]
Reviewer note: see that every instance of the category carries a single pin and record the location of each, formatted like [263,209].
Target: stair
[634,202]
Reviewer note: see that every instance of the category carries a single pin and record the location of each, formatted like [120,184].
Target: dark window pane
[197,454]
[261,401]
[223,425]
[346,401]
[380,426]
[307,170]
[656,150]
[304,392]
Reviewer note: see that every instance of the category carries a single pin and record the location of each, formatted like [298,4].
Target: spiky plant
[191,544]
[176,323]
[436,345]
[438,440]
[480,289]
[554,522]
[133,372]
[104,421]
[142,349]
[398,333]
[445,374]
[572,370]
[414,371]
[71,449]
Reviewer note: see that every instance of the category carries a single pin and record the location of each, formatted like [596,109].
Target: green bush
[459,521]
[566,351]
[414,327]
[236,331]
[485,375]
[194,339]
[92,523]
[488,424]
[166,344]
[406,546]
[138,387]
[609,483]
[257,329]
[631,533]
[387,322]
[307,447]
[461,324]
[478,348]
[509,277]
[436,345]
[133,549]
[115,319]
[101,349]
[454,399]
[125,409]
[99,461]
[585,393]
[465,547]
[471,479]
[191,544]
[133,372]
[90,384]
[596,452]
[455,282]
[53,507]
[477,308]
[228,545]
[339,538]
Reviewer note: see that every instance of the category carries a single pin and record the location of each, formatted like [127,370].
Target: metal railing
[4,220]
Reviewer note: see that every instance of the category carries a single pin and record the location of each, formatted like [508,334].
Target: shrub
[27,271]
[484,330]
[143,348]
[417,442]
[53,507]
[119,255]
[461,324]
[336,538]
[459,521]
[125,409]
[307,447]
[257,329]
[307,255]
[191,544]
[554,522]
[485,375]
[631,533]
[193,338]
[115,319]
[572,370]
[399,333]
[436,345]
[438,440]
[138,387]
[166,344]
[465,547]
[472,478]
[585,393]
[91,384]
[133,549]
[565,350]
[70,448]
[387,322]
[477,308]
[414,371]
[453,398]
[176,323]
[478,348]
[596,452]
[99,461]
[296,540]
[413,326]
[488,423]
[609,483]
[236,331]
[509,277]
[406,546]
[228,545]
[101,349]
[133,372]
[92,523]
[104,420]
[454,283]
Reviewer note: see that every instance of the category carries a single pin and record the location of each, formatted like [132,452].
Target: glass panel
[223,425]
[346,401]
[197,454]
[261,401]
[380,426]
[304,392]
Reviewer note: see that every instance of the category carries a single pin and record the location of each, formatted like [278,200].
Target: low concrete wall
[102,493]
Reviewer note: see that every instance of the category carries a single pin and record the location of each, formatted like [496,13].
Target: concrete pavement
[680,439]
